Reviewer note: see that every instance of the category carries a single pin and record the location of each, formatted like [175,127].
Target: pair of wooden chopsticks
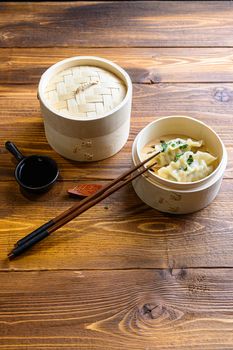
[51,226]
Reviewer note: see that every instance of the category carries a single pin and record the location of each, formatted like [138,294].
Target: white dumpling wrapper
[181,171]
[174,147]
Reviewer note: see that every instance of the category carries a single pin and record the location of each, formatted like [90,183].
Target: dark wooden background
[122,276]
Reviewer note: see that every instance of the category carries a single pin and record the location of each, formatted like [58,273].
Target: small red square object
[84,190]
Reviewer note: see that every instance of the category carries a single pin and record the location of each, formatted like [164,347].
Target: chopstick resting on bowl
[51,226]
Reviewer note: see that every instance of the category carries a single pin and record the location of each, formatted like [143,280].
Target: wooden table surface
[122,275]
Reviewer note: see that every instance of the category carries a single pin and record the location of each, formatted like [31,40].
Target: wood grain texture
[120,232]
[145,66]
[116,24]
[22,123]
[147,309]
[122,275]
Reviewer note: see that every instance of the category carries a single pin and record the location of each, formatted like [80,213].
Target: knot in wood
[222,95]
[154,311]
[179,274]
[149,78]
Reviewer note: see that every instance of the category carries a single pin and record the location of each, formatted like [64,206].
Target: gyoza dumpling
[174,148]
[189,167]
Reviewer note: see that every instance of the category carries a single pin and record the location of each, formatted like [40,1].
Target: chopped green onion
[186,168]
[163,145]
[190,159]
[183,146]
[178,156]
[173,145]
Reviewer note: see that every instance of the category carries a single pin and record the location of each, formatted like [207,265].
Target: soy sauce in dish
[36,172]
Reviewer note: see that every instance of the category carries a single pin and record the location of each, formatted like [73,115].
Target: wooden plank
[120,232]
[148,65]
[143,309]
[116,24]
[21,122]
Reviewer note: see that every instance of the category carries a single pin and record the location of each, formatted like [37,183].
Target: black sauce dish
[34,173]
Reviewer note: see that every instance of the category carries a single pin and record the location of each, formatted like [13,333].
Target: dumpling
[173,149]
[189,167]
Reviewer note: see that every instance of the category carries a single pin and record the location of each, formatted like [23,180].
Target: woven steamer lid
[86,105]
[85,91]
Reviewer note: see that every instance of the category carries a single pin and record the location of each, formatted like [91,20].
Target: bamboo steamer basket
[179,197]
[86,105]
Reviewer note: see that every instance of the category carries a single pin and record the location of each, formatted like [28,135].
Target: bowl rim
[189,183]
[48,73]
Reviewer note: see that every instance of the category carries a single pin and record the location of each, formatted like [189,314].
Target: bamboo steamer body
[172,197]
[92,138]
